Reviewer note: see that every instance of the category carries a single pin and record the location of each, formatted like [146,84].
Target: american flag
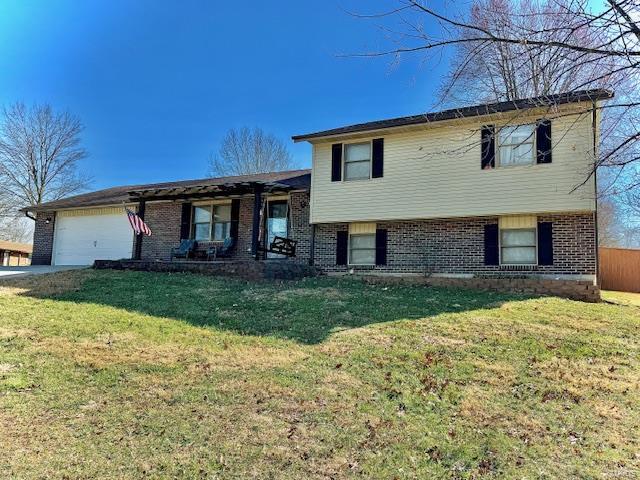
[137,223]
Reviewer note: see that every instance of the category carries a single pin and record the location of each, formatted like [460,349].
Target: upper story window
[211,222]
[357,161]
[516,145]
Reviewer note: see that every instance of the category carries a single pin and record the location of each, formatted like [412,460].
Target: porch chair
[221,251]
[185,250]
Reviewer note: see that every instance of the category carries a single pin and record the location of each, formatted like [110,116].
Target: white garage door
[94,234]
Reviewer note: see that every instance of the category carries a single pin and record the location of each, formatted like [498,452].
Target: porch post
[257,205]
[137,254]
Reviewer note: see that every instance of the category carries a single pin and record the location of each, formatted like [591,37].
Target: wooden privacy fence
[619,269]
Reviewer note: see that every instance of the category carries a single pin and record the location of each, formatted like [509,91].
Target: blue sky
[158,83]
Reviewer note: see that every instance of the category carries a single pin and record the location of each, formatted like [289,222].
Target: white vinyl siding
[435,172]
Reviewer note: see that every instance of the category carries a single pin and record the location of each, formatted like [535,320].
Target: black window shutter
[377,158]
[491,253]
[235,218]
[342,246]
[545,243]
[185,221]
[488,152]
[543,141]
[381,246]
[336,162]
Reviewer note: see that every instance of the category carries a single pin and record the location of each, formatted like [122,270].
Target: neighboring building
[496,190]
[14,254]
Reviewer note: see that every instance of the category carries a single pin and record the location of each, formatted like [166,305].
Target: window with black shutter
[543,141]
[488,147]
[185,221]
[381,246]
[342,247]
[545,243]
[377,159]
[336,162]
[491,245]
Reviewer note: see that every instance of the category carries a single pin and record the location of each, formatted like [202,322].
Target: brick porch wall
[164,219]
[456,246]
[299,228]
[43,238]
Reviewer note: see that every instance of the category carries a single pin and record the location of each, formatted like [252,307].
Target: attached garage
[84,235]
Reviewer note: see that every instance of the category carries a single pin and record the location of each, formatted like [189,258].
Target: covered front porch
[228,222]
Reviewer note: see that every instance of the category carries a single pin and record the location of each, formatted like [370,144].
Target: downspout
[28,215]
[594,128]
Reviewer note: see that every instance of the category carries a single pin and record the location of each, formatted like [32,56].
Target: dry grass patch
[101,354]
[45,285]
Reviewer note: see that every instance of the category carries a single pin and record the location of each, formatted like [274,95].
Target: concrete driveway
[13,272]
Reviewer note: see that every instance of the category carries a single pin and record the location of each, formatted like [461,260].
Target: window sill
[519,268]
[359,180]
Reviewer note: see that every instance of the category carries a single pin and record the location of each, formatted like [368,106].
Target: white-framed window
[516,145]
[211,222]
[518,246]
[357,161]
[362,249]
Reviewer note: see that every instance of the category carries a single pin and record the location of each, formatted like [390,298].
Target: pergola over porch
[215,189]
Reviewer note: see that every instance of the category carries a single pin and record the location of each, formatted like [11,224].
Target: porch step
[245,269]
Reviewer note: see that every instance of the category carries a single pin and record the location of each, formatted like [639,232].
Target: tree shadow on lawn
[306,311]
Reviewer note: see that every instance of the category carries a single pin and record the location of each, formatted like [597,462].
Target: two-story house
[500,190]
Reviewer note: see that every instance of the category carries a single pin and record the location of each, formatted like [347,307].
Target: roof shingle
[299,179]
[464,112]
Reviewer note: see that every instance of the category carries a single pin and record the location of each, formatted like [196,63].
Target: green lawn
[127,375]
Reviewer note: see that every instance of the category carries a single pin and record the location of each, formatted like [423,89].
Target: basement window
[518,246]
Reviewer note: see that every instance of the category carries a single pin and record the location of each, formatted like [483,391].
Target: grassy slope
[123,374]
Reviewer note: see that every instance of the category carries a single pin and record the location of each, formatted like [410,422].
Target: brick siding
[43,238]
[299,227]
[456,246]
[164,221]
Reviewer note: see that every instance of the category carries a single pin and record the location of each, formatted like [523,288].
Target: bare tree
[542,47]
[505,71]
[246,151]
[39,154]
[16,229]
[629,231]
[610,225]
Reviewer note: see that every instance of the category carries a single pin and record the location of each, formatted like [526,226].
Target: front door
[277,223]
